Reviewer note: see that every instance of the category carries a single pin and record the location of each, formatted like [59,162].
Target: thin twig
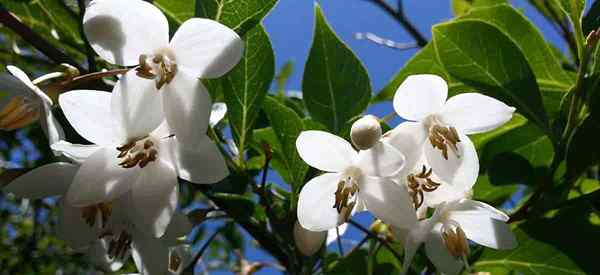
[339,241]
[374,236]
[12,22]
[359,245]
[384,41]
[401,18]
[190,268]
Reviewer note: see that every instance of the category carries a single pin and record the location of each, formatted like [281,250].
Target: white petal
[151,257]
[120,31]
[325,151]
[187,107]
[332,234]
[72,228]
[439,254]
[315,203]
[101,179]
[25,80]
[219,109]
[388,201]
[471,207]
[381,160]
[485,230]
[206,48]
[136,105]
[459,170]
[408,138]
[98,255]
[50,126]
[77,153]
[10,87]
[473,113]
[201,164]
[179,227]
[419,96]
[49,180]
[155,195]
[308,242]
[444,193]
[89,113]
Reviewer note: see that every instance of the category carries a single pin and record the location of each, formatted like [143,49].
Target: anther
[419,183]
[443,137]
[455,241]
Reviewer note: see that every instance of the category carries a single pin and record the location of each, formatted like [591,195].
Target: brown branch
[12,22]
[400,17]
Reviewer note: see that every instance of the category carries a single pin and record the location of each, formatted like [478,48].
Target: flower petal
[408,138]
[75,152]
[98,254]
[419,96]
[202,164]
[388,201]
[381,160]
[471,207]
[206,48]
[473,113]
[150,255]
[460,170]
[332,234]
[308,242]
[72,228]
[101,179]
[49,180]
[10,87]
[439,254]
[187,107]
[481,225]
[315,203]
[155,195]
[217,113]
[120,31]
[51,126]
[89,113]
[179,227]
[136,105]
[325,151]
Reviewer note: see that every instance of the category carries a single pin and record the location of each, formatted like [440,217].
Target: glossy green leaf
[591,20]
[240,15]
[335,84]
[245,87]
[480,140]
[573,9]
[583,149]
[485,191]
[495,65]
[461,7]
[177,11]
[287,126]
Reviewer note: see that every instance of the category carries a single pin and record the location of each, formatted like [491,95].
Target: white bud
[308,242]
[365,132]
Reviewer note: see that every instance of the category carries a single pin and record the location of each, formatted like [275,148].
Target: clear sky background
[290,26]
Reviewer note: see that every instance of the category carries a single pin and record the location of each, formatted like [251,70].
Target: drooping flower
[104,230]
[24,103]
[136,33]
[131,153]
[352,182]
[443,125]
[445,234]
[309,242]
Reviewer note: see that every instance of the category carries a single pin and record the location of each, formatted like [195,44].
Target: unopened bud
[69,70]
[382,230]
[308,242]
[365,132]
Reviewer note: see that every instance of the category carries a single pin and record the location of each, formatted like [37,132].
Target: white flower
[354,181]
[130,154]
[445,124]
[445,234]
[332,234]
[136,33]
[25,103]
[217,113]
[309,242]
[424,185]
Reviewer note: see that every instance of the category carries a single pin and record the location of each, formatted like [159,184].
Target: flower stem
[374,236]
[47,77]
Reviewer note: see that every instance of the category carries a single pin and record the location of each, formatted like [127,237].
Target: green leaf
[582,149]
[287,126]
[480,140]
[424,62]
[335,84]
[591,20]
[283,76]
[461,7]
[573,9]
[245,87]
[177,11]
[240,15]
[485,191]
[494,65]
[542,60]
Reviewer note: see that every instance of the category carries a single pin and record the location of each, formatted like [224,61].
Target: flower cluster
[119,192]
[427,162]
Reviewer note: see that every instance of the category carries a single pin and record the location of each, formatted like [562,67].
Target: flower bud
[308,242]
[365,132]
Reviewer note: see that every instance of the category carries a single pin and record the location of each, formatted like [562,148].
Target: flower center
[419,183]
[119,245]
[455,239]
[20,111]
[346,194]
[160,66]
[138,153]
[91,213]
[442,136]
